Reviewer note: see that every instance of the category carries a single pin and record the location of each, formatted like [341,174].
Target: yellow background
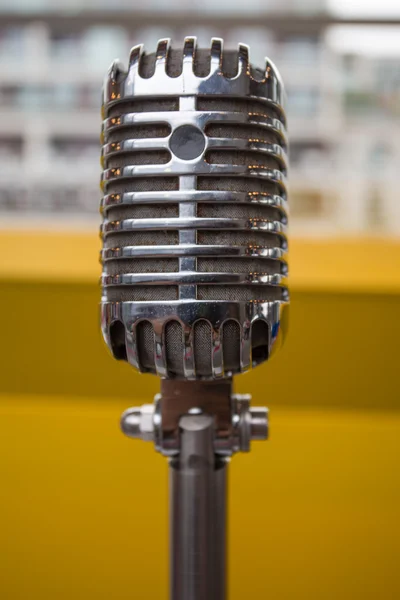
[314,512]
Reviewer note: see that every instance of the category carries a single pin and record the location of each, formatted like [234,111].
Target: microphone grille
[209,230]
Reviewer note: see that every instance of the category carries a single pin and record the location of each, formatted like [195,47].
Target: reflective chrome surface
[262,198]
[193,223]
[245,424]
[187,313]
[266,87]
[198,500]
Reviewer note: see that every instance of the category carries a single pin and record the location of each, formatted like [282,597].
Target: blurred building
[343,105]
[315,512]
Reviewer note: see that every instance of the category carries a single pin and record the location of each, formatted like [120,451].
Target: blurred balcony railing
[342,108]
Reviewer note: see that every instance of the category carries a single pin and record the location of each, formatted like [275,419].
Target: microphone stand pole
[197,514]
[198,426]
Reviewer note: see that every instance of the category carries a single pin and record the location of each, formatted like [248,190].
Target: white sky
[365,8]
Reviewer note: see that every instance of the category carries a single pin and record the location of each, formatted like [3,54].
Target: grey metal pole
[197,514]
[198,426]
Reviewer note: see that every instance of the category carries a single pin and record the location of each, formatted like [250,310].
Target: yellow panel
[314,512]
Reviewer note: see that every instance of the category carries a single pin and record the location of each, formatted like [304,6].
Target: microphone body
[194,211]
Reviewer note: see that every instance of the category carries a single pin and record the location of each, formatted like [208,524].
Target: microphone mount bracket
[236,424]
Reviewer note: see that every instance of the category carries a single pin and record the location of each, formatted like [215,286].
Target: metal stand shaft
[198,514]
[198,426]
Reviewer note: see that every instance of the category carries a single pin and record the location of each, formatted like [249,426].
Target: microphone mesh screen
[142,293]
[141,238]
[241,293]
[238,238]
[202,343]
[144,265]
[137,105]
[173,341]
[235,265]
[246,132]
[143,184]
[145,338]
[229,157]
[235,184]
[238,211]
[237,105]
[143,211]
[135,132]
[231,345]
[160,157]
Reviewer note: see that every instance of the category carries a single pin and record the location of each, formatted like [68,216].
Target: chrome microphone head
[195,211]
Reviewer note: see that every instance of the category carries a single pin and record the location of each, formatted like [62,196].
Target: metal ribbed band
[195,210]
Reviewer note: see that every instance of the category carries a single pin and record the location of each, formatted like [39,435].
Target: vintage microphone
[194,271]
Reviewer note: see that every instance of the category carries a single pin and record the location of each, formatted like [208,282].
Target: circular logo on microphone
[187,142]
